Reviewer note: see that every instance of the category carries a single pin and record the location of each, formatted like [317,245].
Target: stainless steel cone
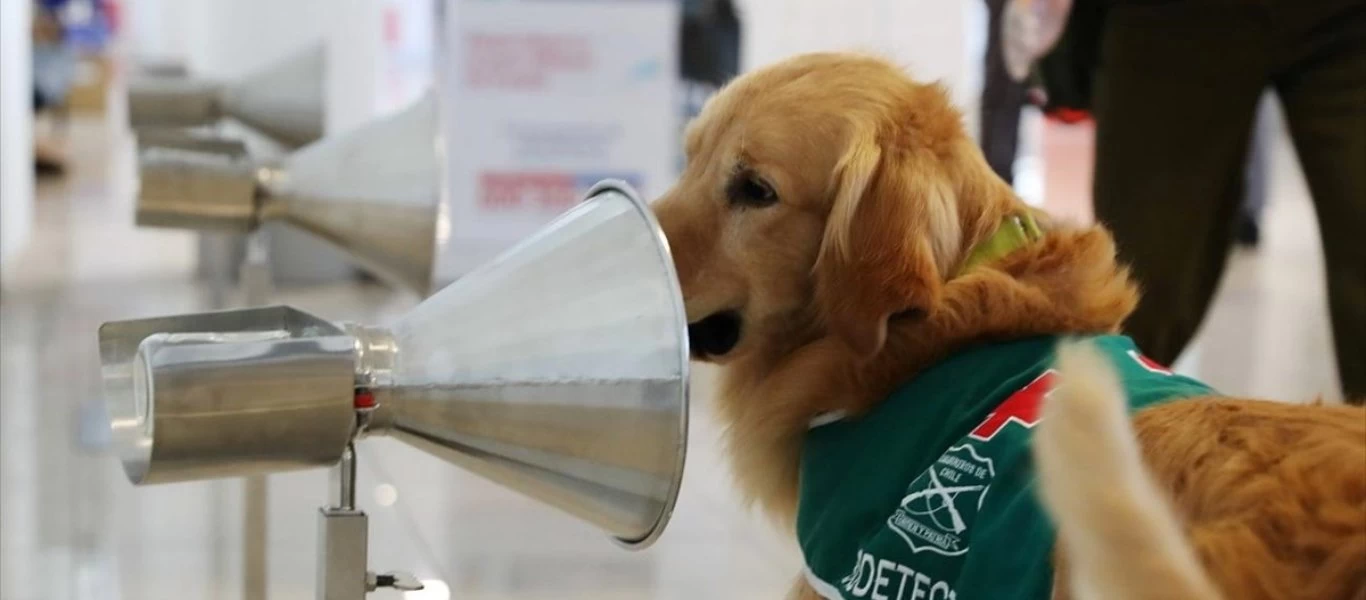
[559,370]
[283,101]
[373,192]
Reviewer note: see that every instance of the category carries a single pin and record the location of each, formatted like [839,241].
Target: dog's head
[823,196]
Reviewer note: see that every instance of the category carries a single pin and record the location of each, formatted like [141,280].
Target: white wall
[231,38]
[353,55]
[155,29]
[381,57]
[16,127]
[223,38]
[927,36]
[935,39]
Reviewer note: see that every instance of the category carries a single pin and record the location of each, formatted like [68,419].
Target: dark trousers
[1177,93]
[1002,100]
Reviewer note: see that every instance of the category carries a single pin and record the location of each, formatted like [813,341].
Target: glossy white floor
[74,528]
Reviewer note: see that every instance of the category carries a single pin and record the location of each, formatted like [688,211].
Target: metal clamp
[343,538]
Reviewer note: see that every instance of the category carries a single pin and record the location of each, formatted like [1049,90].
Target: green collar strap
[1016,231]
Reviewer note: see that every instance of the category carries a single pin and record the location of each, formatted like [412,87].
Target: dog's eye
[747,189]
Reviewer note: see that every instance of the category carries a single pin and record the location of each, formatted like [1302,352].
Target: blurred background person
[1003,98]
[1176,97]
[709,42]
[708,54]
[54,67]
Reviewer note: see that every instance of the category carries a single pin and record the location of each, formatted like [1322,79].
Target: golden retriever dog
[824,231]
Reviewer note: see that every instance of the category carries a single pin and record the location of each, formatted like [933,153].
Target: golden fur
[1272,496]
[847,286]
[1116,528]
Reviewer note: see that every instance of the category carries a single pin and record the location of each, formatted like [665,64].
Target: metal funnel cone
[283,101]
[559,370]
[373,192]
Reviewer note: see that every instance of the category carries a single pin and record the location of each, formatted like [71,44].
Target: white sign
[539,101]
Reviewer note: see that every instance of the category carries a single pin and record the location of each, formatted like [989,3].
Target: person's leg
[1002,100]
[1324,97]
[1175,99]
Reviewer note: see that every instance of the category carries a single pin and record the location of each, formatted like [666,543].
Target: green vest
[929,496]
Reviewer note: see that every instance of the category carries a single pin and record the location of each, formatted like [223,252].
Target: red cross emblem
[1022,408]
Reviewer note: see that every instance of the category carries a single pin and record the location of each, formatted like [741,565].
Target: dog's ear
[889,240]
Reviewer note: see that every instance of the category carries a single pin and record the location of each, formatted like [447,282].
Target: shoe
[48,159]
[1249,233]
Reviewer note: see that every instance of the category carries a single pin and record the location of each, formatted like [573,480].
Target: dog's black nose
[715,335]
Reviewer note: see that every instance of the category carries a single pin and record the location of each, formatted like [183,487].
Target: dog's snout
[679,225]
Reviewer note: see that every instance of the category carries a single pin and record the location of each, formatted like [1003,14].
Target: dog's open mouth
[715,335]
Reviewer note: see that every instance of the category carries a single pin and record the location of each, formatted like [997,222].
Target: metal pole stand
[255,280]
[343,536]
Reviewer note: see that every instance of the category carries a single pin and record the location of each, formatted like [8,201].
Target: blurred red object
[393,27]
[1069,116]
[112,15]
